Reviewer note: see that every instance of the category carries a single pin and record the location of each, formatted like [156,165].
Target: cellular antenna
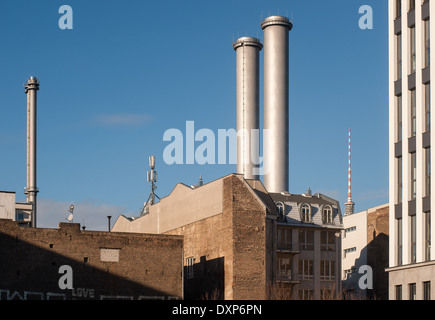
[349,205]
[71,213]
[152,178]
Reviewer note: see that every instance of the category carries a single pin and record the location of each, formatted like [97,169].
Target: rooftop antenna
[152,178]
[71,213]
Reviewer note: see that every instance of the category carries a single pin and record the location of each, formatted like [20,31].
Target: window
[399,292]
[284,269]
[348,272]
[427,237]
[349,250]
[327,240]
[427,43]
[280,208]
[306,269]
[399,180]
[284,238]
[306,239]
[411,5]
[427,172]
[305,294]
[427,107]
[399,118]
[413,114]
[412,50]
[189,267]
[413,239]
[327,270]
[305,212]
[399,241]
[412,291]
[413,176]
[399,57]
[426,290]
[327,215]
[351,229]
[398,8]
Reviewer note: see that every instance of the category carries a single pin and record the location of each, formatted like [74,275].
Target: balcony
[287,247]
[288,277]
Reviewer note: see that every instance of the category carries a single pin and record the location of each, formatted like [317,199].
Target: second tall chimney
[30,89]
[248,106]
[276,103]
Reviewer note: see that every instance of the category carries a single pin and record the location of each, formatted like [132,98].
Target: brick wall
[249,241]
[229,248]
[377,251]
[139,266]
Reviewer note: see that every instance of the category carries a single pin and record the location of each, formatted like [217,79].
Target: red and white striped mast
[349,206]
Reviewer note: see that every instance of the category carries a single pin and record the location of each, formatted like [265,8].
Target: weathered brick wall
[208,241]
[229,248]
[377,251]
[148,265]
[249,241]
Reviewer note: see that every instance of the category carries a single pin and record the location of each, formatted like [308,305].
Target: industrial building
[232,238]
[245,239]
[240,242]
[411,255]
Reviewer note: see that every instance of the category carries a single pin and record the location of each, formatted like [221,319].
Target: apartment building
[308,260]
[411,256]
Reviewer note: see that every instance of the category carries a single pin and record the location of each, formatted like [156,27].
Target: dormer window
[327,215]
[280,208]
[305,212]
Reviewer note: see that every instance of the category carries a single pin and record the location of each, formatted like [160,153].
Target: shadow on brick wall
[207,282]
[29,272]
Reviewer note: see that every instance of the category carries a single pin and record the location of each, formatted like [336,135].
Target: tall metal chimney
[30,89]
[276,103]
[248,106]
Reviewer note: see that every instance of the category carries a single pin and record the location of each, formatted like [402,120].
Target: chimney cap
[247,41]
[276,20]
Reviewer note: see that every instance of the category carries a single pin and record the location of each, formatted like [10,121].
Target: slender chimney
[30,89]
[276,103]
[248,106]
[349,205]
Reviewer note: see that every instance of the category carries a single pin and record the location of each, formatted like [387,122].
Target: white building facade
[411,256]
[12,210]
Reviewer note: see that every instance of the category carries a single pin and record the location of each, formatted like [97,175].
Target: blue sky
[130,70]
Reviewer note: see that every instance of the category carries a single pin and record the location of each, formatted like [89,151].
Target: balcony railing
[288,277]
[287,246]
